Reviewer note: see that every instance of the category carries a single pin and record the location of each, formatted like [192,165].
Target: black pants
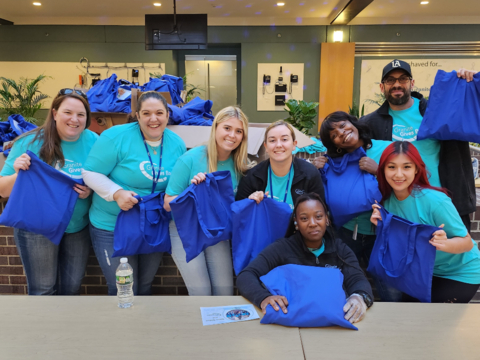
[448,291]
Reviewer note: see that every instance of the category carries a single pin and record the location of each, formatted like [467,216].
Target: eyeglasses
[401,80]
[67,91]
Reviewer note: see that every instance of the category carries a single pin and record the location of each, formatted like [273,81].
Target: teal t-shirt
[120,154]
[75,154]
[279,186]
[405,128]
[435,208]
[318,252]
[193,162]
[376,150]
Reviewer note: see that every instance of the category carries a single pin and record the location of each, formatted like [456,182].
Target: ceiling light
[157,4]
[37,4]
[338,36]
[423,2]
[280,4]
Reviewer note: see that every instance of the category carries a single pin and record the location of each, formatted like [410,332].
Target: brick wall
[167,281]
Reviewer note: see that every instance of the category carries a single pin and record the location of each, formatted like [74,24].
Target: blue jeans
[53,269]
[210,273]
[144,266]
[362,247]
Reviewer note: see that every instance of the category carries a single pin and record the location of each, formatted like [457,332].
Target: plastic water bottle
[124,276]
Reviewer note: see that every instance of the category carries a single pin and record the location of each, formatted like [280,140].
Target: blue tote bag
[403,257]
[317,300]
[42,201]
[143,229]
[102,90]
[453,111]
[349,191]
[12,128]
[202,213]
[255,226]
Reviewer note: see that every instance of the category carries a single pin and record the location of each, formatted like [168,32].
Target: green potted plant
[354,110]
[301,114]
[22,97]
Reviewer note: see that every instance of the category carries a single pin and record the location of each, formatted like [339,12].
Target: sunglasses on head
[71,91]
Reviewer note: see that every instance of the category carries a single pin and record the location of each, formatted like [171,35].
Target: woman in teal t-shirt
[128,160]
[342,133]
[406,191]
[64,143]
[211,272]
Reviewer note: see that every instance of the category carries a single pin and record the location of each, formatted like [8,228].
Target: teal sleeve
[180,178]
[102,157]
[19,148]
[445,213]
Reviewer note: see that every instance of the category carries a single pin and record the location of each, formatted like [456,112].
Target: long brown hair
[51,150]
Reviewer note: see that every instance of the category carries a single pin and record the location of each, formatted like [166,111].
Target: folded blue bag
[403,257]
[143,229]
[42,201]
[349,191]
[315,296]
[196,112]
[255,226]
[101,91]
[15,126]
[453,111]
[202,213]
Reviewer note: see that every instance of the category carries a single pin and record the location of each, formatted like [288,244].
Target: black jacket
[455,167]
[292,250]
[306,179]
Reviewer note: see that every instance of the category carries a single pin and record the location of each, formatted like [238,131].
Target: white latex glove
[355,308]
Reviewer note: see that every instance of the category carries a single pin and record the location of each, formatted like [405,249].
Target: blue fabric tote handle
[144,217]
[384,249]
[216,206]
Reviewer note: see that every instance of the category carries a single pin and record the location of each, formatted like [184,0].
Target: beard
[398,100]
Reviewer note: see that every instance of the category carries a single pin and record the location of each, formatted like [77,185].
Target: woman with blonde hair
[281,176]
[210,273]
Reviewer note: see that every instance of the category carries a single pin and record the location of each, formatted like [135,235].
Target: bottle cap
[123,260]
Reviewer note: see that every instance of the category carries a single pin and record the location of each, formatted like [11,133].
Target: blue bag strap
[212,189]
[144,219]
[383,250]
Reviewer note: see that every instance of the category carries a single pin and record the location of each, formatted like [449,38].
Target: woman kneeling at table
[310,241]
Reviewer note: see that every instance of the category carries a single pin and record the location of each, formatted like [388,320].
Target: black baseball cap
[396,65]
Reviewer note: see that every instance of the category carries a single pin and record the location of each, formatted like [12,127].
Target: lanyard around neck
[288,182]
[155,179]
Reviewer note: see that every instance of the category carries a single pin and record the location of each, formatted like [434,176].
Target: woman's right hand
[273,300]
[22,163]
[197,179]
[258,196]
[319,162]
[125,199]
[375,214]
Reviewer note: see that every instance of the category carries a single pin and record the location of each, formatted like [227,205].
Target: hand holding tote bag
[255,226]
[42,201]
[202,213]
[349,191]
[403,257]
[143,229]
[453,111]
[315,296]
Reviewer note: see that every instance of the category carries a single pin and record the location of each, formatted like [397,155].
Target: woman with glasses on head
[128,160]
[64,143]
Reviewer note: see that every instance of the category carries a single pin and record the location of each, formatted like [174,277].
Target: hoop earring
[339,150]
[295,223]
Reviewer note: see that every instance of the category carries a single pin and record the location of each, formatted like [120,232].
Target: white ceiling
[237,12]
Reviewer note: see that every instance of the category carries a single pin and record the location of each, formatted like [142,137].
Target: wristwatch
[368,300]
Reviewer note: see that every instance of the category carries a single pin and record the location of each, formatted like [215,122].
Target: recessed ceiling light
[157,4]
[37,4]
[423,2]
[280,3]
